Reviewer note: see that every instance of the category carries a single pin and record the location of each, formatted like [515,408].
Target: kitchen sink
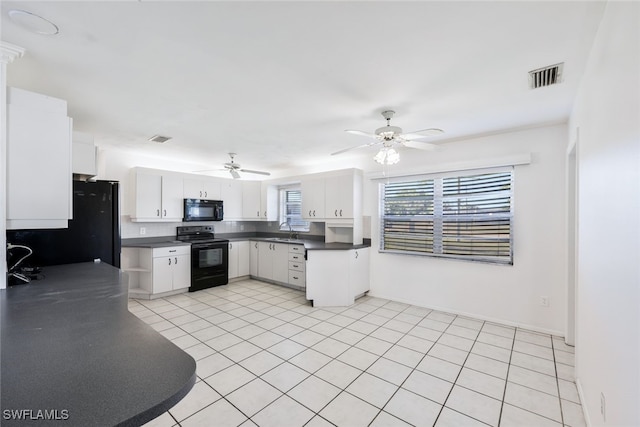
[285,239]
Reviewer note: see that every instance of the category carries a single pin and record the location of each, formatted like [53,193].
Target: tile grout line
[557,382]
[506,379]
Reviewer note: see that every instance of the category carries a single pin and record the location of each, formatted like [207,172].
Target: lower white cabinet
[253,259]
[278,262]
[273,261]
[155,272]
[239,259]
[336,278]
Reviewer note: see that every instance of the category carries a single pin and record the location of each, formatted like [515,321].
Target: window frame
[302,225]
[433,223]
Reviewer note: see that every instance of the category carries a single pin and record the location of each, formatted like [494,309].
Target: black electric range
[209,256]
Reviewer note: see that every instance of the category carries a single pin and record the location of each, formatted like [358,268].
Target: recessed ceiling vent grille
[159,138]
[546,76]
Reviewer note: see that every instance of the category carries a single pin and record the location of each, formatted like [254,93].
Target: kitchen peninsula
[73,354]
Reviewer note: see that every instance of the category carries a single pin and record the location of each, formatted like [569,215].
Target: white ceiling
[279,82]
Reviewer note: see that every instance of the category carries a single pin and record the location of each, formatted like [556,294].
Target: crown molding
[9,52]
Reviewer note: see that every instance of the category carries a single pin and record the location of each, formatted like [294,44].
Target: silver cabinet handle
[157,212]
[309,213]
[336,212]
[256,245]
[314,212]
[230,245]
[176,260]
[356,254]
[205,194]
[169,261]
[201,193]
[172,250]
[340,212]
[258,214]
[165,212]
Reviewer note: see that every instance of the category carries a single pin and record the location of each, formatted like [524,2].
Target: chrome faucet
[290,229]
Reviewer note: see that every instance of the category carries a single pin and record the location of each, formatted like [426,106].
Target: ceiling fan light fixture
[387,156]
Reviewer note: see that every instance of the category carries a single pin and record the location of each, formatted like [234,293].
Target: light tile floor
[265,357]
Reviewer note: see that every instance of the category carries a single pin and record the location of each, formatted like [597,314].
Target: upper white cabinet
[313,197]
[252,200]
[156,196]
[39,184]
[231,195]
[83,157]
[340,200]
[332,196]
[201,189]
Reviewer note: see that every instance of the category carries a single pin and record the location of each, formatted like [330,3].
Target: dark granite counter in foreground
[71,350]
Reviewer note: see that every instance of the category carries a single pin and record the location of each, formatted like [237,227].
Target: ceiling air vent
[546,76]
[159,138]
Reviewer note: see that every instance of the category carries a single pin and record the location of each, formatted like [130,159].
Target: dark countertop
[69,344]
[310,242]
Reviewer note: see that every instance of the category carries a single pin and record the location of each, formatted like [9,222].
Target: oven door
[209,265]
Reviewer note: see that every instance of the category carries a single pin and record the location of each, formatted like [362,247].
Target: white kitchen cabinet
[156,197]
[313,198]
[83,156]
[273,261]
[339,197]
[231,195]
[269,201]
[253,259]
[239,259]
[252,200]
[336,278]
[38,161]
[208,189]
[155,272]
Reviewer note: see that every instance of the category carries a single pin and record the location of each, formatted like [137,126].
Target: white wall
[607,113]
[508,294]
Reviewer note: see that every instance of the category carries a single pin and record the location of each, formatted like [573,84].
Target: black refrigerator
[93,233]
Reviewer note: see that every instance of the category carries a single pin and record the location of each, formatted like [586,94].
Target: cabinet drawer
[297,266]
[296,278]
[297,257]
[296,249]
[171,251]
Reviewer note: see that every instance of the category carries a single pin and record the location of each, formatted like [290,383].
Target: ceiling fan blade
[356,147]
[361,133]
[234,173]
[256,172]
[424,133]
[419,145]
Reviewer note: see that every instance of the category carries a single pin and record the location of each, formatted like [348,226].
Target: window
[465,217]
[291,209]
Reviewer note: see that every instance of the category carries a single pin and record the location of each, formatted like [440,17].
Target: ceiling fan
[234,167]
[391,137]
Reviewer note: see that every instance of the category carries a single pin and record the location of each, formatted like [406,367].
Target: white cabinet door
[339,197]
[251,200]
[201,189]
[280,262]
[233,260]
[313,198]
[181,271]
[231,195]
[244,257]
[38,161]
[265,260]
[148,196]
[359,271]
[254,256]
[172,198]
[328,278]
[162,274]
[269,202]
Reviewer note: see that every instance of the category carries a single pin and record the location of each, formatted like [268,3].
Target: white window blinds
[467,217]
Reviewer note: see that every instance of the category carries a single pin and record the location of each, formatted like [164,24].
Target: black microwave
[203,210]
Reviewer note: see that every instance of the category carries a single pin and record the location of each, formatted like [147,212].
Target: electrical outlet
[143,231]
[603,407]
[544,301]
